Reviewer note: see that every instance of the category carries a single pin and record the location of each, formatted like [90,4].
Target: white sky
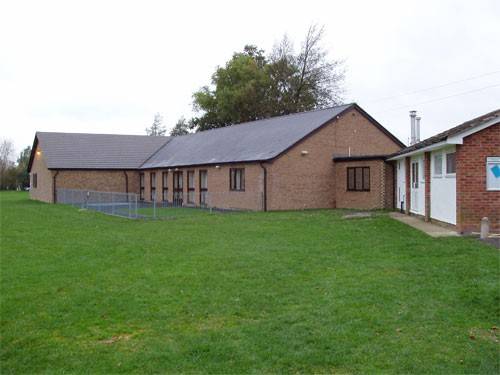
[108,66]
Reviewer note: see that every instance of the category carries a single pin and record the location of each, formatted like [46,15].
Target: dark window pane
[359,178]
[350,179]
[450,163]
[366,178]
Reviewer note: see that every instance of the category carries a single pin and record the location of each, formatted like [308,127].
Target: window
[141,186]
[493,173]
[34,183]
[358,178]
[190,177]
[152,180]
[450,163]
[203,187]
[414,175]
[178,188]
[237,179]
[438,165]
[164,185]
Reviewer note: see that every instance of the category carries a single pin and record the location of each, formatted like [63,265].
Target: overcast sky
[108,66]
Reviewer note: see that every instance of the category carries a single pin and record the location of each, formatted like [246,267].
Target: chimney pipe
[417,129]
[413,137]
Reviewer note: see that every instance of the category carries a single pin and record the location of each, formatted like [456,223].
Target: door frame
[177,188]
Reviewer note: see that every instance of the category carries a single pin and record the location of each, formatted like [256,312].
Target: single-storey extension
[453,177]
[328,158]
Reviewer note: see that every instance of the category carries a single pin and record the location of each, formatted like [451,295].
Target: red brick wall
[473,200]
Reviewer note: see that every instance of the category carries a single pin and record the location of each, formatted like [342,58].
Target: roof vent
[413,135]
[417,129]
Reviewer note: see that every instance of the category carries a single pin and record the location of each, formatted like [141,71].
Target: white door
[417,180]
[401,185]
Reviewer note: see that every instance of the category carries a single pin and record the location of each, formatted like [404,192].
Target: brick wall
[294,180]
[473,200]
[44,190]
[381,186]
[219,194]
[297,181]
[98,180]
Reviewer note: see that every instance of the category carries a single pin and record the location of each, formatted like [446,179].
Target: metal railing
[110,203]
[177,204]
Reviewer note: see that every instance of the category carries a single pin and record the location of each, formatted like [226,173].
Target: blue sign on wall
[493,173]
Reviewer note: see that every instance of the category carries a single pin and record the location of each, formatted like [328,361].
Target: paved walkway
[432,230]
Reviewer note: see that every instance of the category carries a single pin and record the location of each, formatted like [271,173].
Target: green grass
[305,292]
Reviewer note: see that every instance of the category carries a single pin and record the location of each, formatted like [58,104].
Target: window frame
[233,176]
[152,187]
[141,186]
[164,186]
[178,187]
[414,177]
[190,190]
[363,179]
[434,164]
[451,174]
[203,190]
[491,160]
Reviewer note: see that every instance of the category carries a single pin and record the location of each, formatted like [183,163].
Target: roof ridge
[476,121]
[114,134]
[169,139]
[269,118]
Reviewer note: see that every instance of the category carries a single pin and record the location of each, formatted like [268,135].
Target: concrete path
[432,230]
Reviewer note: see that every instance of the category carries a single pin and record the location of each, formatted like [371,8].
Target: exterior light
[304,153]
[217,166]
[39,153]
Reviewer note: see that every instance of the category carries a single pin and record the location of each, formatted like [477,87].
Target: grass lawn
[82,292]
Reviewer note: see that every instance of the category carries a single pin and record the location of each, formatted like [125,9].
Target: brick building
[334,157]
[453,177]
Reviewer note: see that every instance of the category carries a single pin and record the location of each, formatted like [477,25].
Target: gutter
[265,185]
[54,190]
[420,150]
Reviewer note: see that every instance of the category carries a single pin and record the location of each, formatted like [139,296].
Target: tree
[180,128]
[238,94]
[23,178]
[318,83]
[252,85]
[7,177]
[156,128]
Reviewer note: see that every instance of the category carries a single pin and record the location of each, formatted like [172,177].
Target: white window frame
[453,174]
[434,174]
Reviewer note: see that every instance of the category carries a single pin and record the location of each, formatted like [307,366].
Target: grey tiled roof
[96,151]
[450,132]
[247,142]
[252,141]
